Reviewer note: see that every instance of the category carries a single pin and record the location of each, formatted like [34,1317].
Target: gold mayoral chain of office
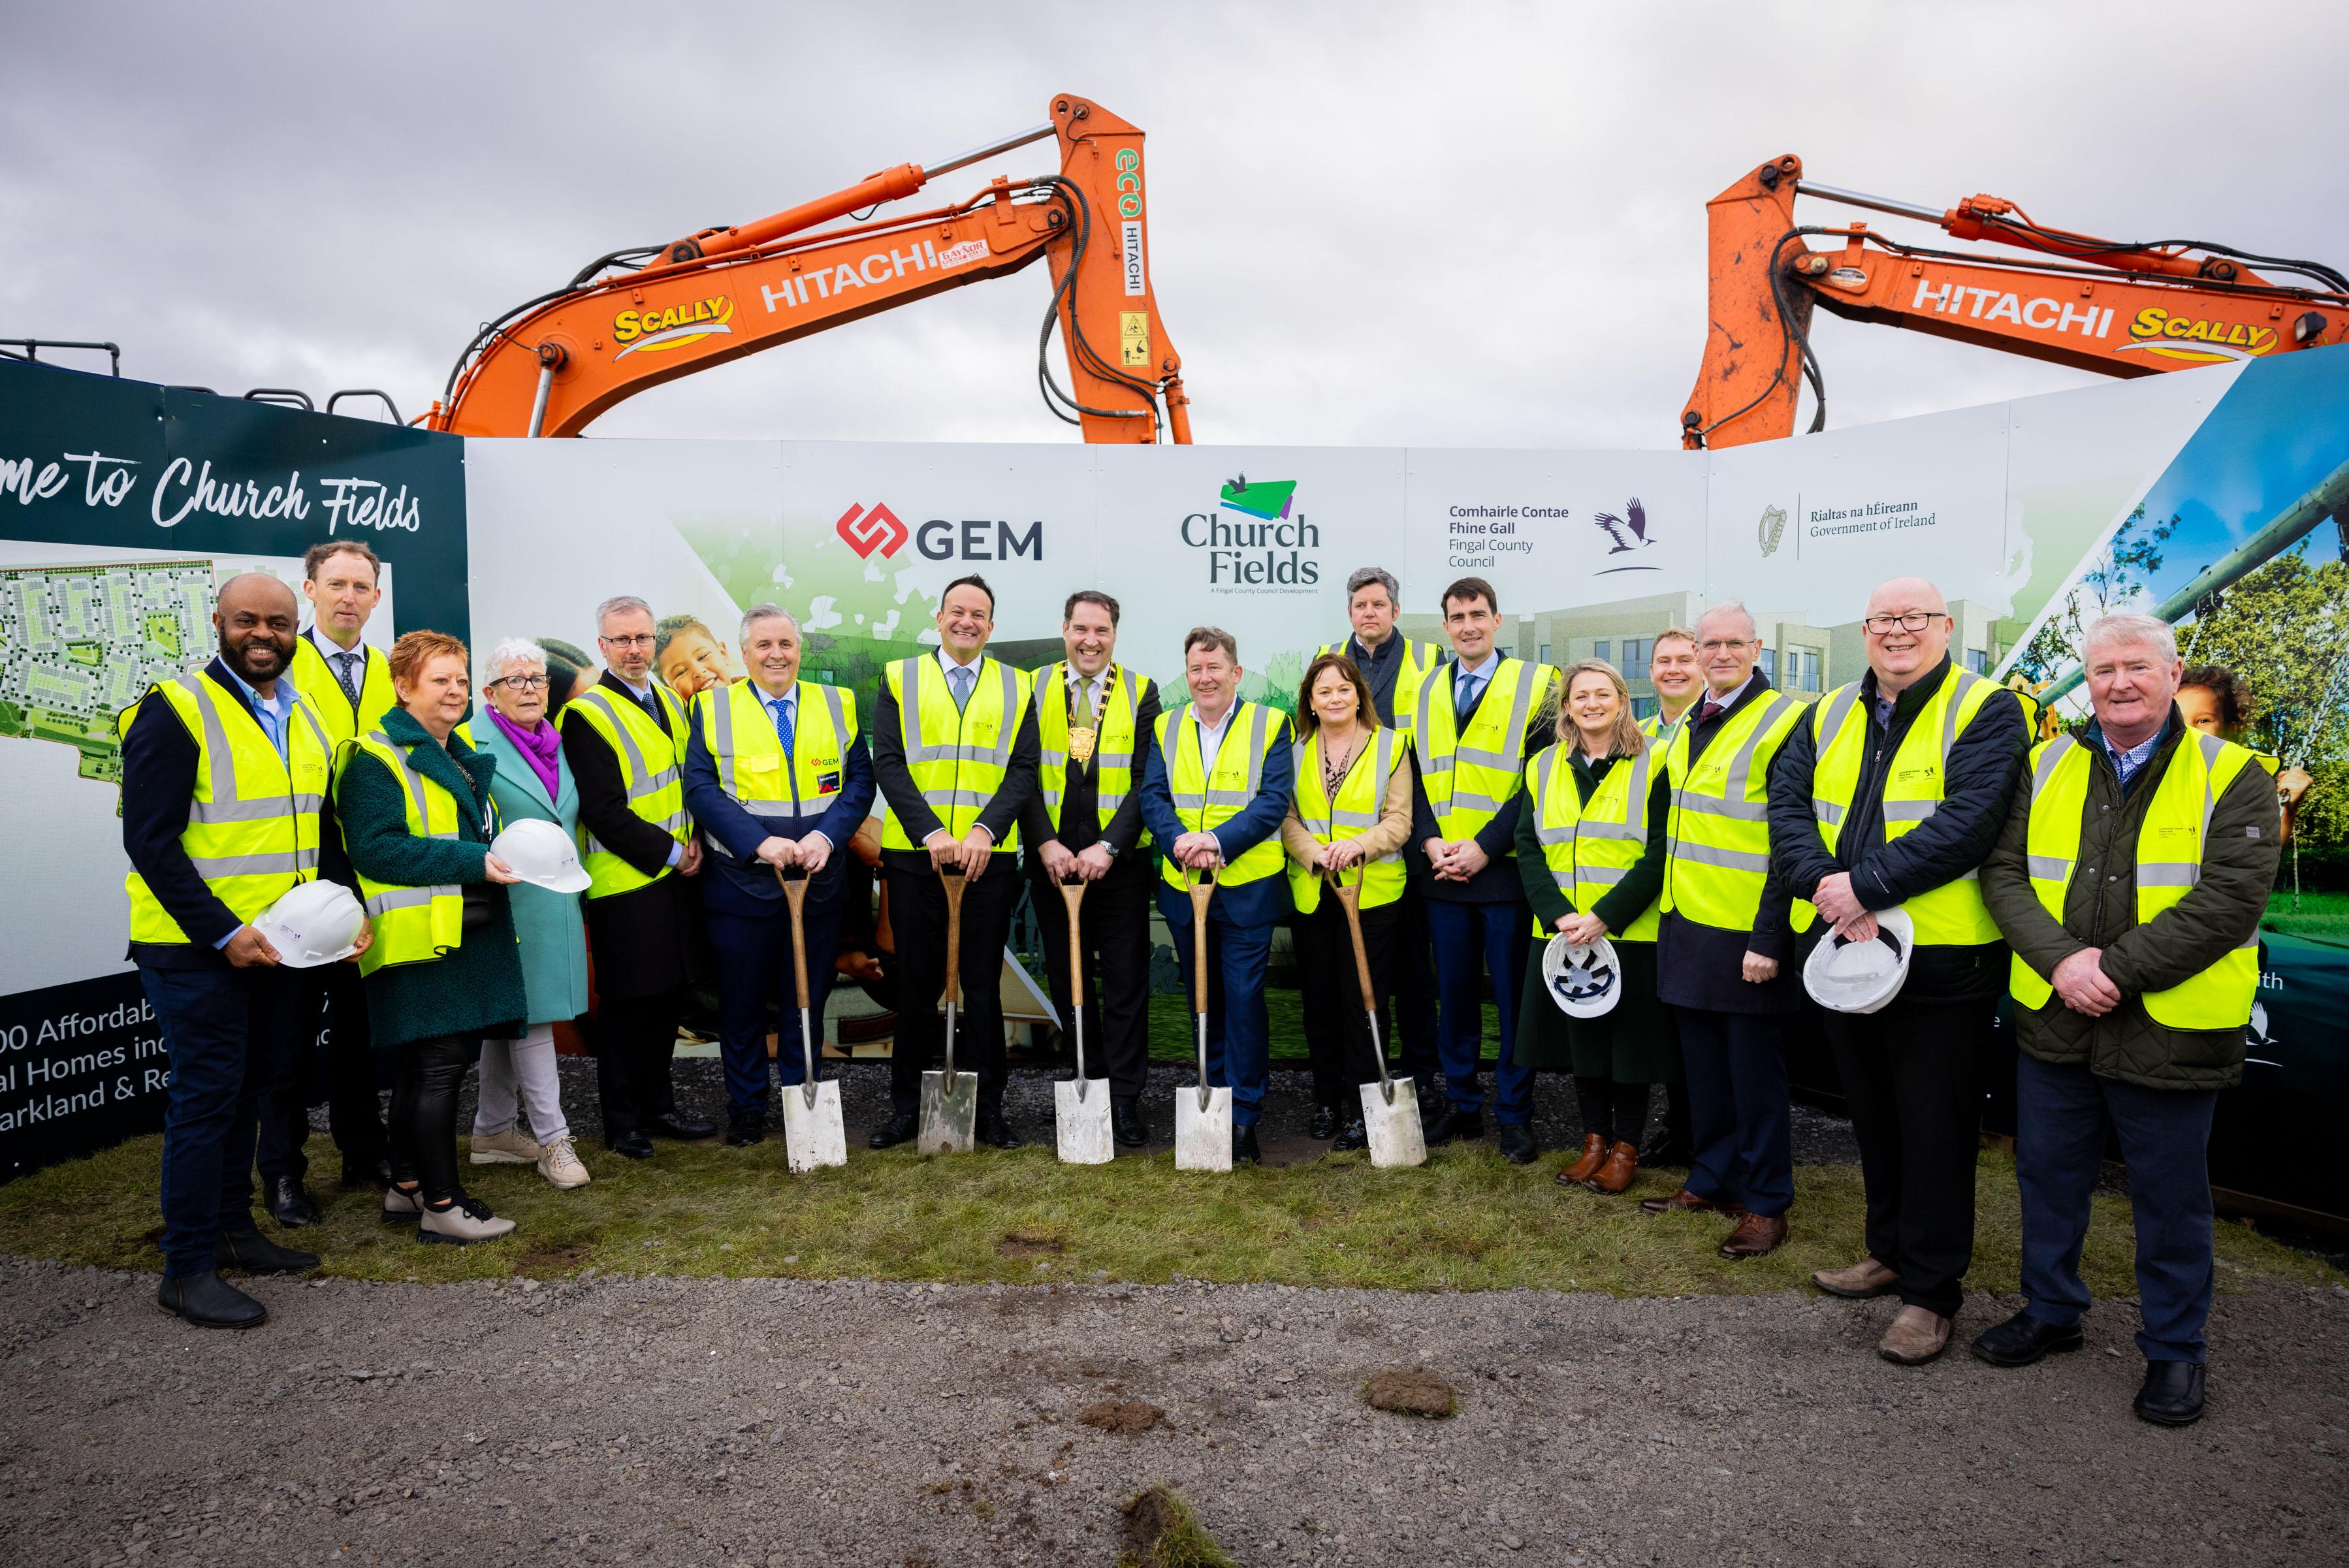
[1083,738]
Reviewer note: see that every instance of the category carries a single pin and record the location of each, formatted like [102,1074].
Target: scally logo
[866,531]
[654,331]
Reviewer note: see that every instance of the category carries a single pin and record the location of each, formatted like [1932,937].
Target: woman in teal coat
[533,782]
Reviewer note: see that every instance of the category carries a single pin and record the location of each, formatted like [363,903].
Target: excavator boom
[552,365]
[2095,305]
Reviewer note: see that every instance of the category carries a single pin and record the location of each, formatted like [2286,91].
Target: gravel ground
[783,1422]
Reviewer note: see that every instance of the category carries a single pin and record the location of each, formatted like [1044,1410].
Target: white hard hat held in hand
[1583,979]
[542,854]
[312,924]
[1861,977]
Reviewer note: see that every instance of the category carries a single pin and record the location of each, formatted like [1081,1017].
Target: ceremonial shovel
[812,1133]
[950,1099]
[1390,1110]
[1080,1109]
[1202,1118]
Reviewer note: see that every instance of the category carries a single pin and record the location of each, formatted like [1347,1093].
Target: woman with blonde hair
[1349,815]
[1590,851]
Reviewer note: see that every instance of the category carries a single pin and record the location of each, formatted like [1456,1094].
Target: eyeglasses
[1915,620]
[522,682]
[1721,645]
[642,640]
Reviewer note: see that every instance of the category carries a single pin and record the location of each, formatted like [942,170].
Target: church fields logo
[1256,541]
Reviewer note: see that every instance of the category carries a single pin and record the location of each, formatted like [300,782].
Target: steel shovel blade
[814,1136]
[1203,1134]
[949,1113]
[1396,1136]
[1082,1122]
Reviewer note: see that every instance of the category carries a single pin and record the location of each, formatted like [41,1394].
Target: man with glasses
[625,739]
[1724,945]
[1891,796]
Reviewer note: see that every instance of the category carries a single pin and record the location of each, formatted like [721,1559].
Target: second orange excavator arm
[2116,309]
[552,366]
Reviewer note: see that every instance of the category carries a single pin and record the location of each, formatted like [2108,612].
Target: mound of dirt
[1416,1392]
[1124,1416]
[1161,1532]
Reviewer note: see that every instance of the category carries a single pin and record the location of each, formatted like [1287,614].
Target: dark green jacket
[476,988]
[2218,914]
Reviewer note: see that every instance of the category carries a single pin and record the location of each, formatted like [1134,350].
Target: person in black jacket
[1889,797]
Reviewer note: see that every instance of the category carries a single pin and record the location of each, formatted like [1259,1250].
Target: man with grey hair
[624,738]
[2129,880]
[778,777]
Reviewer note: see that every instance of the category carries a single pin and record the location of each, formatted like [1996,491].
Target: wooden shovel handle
[1351,898]
[1203,889]
[954,886]
[1073,894]
[795,895]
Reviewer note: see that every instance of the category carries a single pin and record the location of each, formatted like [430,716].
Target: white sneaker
[559,1163]
[402,1205]
[508,1147]
[463,1222]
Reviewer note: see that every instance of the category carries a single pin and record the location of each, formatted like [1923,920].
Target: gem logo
[655,331]
[868,530]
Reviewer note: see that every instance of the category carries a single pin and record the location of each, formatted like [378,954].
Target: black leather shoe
[1325,1123]
[1356,1136]
[1517,1144]
[289,1205]
[741,1132]
[2023,1339]
[255,1253]
[1244,1148]
[2171,1395]
[630,1146]
[210,1301]
[1454,1125]
[1665,1149]
[376,1172]
[683,1128]
[1126,1124]
[996,1132]
[899,1129]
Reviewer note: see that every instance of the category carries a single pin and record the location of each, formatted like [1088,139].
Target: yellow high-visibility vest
[1954,914]
[1470,776]
[1718,838]
[2170,842]
[1206,799]
[253,817]
[1355,812]
[1112,743]
[1418,659]
[1589,846]
[650,771]
[411,925]
[317,680]
[738,728]
[957,757]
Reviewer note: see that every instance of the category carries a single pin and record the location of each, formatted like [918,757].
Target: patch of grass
[1173,1027]
[1468,1220]
[2324,915]
[1161,1532]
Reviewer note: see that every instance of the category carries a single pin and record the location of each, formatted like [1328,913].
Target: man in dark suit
[778,777]
[1093,716]
[625,738]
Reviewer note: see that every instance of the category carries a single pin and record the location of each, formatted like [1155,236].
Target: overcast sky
[1371,224]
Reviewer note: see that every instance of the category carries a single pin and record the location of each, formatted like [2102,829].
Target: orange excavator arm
[634,319]
[2095,305]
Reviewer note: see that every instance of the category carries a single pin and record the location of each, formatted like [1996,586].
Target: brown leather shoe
[1757,1236]
[1862,1280]
[1594,1152]
[1916,1336]
[1612,1177]
[1687,1202]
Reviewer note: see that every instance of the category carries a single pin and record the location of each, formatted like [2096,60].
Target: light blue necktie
[1464,697]
[783,728]
[961,678]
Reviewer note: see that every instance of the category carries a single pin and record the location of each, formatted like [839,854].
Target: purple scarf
[541,748]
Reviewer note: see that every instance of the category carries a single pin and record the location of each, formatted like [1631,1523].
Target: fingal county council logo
[1772,528]
[866,531]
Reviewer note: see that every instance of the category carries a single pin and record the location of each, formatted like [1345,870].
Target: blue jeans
[235,1036]
[754,969]
[1239,1032]
[1740,1128]
[2060,1114]
[1472,941]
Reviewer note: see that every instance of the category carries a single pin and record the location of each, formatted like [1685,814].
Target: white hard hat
[313,923]
[542,854]
[1861,977]
[1584,980]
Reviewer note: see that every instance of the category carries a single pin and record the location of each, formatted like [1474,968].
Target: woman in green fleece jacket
[444,970]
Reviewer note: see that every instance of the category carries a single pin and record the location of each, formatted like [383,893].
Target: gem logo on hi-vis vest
[655,331]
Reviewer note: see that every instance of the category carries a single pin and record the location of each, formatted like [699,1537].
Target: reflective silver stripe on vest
[1909,810]
[1731,802]
[1708,854]
[1599,876]
[410,898]
[1520,709]
[909,711]
[1826,811]
[2048,867]
[644,783]
[1545,767]
[212,866]
[1383,764]
[1829,724]
[411,780]
[228,803]
[1634,827]
[1185,801]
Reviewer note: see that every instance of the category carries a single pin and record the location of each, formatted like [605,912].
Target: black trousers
[635,1039]
[1413,1041]
[353,1114]
[1113,925]
[917,911]
[1912,1081]
[424,1113]
[1337,1029]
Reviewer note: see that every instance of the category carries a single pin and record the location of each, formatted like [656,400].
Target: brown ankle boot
[1615,1176]
[1594,1153]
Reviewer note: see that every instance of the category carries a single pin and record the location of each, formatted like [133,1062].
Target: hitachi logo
[1988,304]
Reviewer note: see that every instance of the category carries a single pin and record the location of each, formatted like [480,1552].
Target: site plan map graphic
[80,643]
